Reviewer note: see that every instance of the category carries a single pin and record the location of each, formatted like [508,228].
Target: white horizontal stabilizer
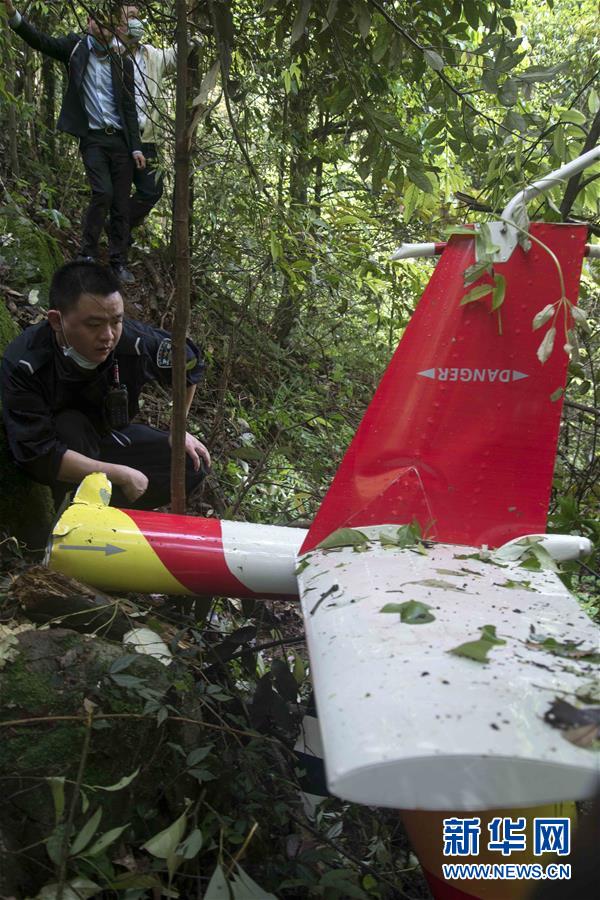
[406,723]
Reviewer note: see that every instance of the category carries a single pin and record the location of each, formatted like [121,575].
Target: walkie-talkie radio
[117,402]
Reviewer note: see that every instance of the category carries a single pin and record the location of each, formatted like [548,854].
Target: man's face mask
[136,29]
[98,44]
[81,361]
[71,353]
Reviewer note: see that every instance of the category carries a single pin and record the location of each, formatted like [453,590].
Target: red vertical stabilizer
[461,433]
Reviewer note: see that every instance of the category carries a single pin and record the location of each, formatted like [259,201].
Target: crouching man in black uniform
[70,388]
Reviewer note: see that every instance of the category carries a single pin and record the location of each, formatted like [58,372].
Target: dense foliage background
[328,132]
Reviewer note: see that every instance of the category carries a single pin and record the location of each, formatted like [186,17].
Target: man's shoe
[82,258]
[123,274]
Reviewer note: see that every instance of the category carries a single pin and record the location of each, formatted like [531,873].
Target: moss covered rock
[26,508]
[31,254]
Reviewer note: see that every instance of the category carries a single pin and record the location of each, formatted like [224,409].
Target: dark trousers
[109,166]
[148,187]
[137,446]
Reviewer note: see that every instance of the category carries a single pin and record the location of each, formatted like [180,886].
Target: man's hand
[196,451]
[132,482]
[138,156]
[10,9]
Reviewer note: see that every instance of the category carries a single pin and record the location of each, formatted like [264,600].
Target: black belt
[108,129]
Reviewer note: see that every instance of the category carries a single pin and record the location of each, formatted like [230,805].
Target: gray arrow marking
[108,549]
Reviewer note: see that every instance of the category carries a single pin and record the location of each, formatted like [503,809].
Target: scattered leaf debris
[579,725]
[478,650]
[412,612]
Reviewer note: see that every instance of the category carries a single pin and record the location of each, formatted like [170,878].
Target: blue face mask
[77,358]
[99,46]
[136,29]
[72,353]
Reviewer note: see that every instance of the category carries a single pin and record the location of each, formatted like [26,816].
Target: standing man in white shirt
[150,65]
[99,109]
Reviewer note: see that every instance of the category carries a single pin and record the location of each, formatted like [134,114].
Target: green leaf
[488,632]
[104,841]
[76,889]
[580,319]
[405,536]
[54,843]
[192,845]
[475,650]
[122,663]
[459,229]
[196,756]
[419,179]
[244,888]
[544,351]
[302,565]
[330,14]
[499,291]
[410,149]
[164,844]
[339,883]
[174,860]
[364,21]
[565,649]
[249,454]
[531,564]
[127,681]
[557,394]
[542,73]
[434,128]
[133,880]
[412,612]
[508,93]
[433,60]
[476,271]
[540,555]
[543,316]
[87,833]
[478,650]
[298,669]
[300,21]
[438,583]
[486,249]
[558,143]
[343,537]
[471,14]
[122,783]
[517,585]
[275,247]
[57,786]
[574,116]
[476,293]
[217,888]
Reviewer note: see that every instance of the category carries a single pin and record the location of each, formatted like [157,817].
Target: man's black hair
[77,278]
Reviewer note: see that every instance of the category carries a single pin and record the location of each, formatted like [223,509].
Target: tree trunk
[182,264]
[12,123]
[48,104]
[299,172]
[574,183]
[29,93]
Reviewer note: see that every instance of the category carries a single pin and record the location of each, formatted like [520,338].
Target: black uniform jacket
[73,51]
[37,381]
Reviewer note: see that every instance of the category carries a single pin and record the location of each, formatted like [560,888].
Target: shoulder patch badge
[164,356]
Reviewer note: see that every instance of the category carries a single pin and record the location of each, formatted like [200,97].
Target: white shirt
[99,92]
